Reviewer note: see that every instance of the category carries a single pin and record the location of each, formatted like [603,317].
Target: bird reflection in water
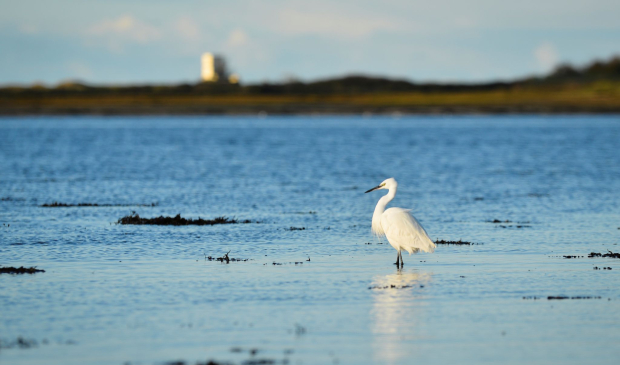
[398,307]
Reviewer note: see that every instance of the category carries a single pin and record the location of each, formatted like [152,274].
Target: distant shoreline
[306,112]
[593,98]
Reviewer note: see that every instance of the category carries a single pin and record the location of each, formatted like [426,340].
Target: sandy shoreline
[264,110]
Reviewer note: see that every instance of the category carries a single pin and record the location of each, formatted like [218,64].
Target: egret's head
[386,184]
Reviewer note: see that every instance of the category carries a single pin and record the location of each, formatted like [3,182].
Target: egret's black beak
[375,188]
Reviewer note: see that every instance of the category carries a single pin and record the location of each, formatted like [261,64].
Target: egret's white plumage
[400,228]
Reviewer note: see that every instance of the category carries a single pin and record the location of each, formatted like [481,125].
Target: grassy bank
[598,97]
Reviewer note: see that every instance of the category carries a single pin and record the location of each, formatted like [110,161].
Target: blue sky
[157,41]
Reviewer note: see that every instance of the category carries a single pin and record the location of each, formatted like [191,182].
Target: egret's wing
[404,231]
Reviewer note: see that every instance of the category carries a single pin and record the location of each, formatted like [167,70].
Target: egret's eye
[382,184]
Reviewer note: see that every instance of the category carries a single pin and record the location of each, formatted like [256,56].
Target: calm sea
[117,294]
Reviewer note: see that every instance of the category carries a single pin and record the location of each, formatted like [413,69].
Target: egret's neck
[383,202]
[379,209]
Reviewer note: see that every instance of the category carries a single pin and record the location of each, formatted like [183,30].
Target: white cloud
[237,38]
[126,28]
[547,56]
[294,22]
[243,51]
[187,28]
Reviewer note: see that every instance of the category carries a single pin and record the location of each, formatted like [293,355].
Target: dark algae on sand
[68,205]
[177,221]
[613,255]
[224,259]
[562,297]
[591,255]
[19,270]
[459,242]
[502,224]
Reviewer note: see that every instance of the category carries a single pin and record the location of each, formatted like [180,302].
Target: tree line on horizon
[353,84]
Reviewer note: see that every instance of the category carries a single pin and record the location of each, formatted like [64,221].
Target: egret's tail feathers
[412,250]
[430,248]
[421,244]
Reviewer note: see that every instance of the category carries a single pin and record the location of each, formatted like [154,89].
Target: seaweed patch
[392,287]
[67,205]
[290,263]
[613,255]
[28,343]
[11,199]
[459,242]
[177,220]
[224,259]
[503,224]
[561,297]
[19,270]
[20,342]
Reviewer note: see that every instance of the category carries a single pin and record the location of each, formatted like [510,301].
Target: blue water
[116,294]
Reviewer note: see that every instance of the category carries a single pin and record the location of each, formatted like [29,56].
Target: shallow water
[115,294]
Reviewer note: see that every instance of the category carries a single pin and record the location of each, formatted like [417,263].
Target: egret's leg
[401,258]
[397,259]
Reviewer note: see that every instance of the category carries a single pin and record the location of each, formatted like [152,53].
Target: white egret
[400,228]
